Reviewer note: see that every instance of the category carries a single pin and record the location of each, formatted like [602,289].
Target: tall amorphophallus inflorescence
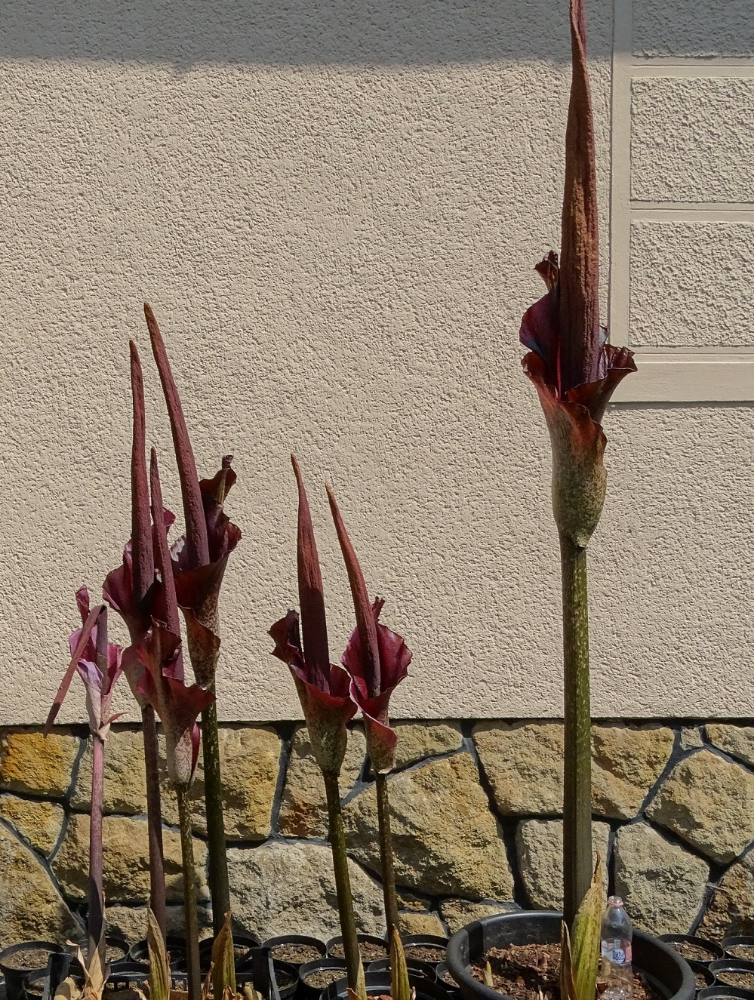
[376,660]
[323,691]
[178,706]
[129,590]
[99,665]
[199,560]
[575,372]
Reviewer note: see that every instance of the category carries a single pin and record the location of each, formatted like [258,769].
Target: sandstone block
[419,740]
[249,759]
[730,910]
[539,845]
[303,809]
[709,803]
[39,823]
[130,922]
[416,922]
[125,859]
[125,788]
[662,884]
[445,839]
[523,762]
[30,905]
[458,912]
[280,888]
[738,741]
[37,765]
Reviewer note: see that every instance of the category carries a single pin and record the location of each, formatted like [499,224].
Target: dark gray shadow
[295,32]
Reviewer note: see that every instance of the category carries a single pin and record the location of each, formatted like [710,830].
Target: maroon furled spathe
[322,687]
[376,658]
[573,368]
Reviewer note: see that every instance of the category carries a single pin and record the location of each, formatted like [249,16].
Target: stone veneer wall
[475,820]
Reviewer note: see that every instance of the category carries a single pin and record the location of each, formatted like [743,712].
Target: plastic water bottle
[615,947]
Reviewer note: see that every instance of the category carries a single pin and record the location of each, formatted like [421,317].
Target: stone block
[662,884]
[37,764]
[39,823]
[31,908]
[730,910]
[303,808]
[709,803]
[419,740]
[738,741]
[539,847]
[445,839]
[458,912]
[279,888]
[125,860]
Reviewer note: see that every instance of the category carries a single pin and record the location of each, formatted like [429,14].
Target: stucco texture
[337,228]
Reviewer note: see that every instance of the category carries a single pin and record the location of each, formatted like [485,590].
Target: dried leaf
[400,988]
[159,966]
[223,961]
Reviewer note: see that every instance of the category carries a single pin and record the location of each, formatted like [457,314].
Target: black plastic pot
[176,948]
[286,977]
[412,964]
[294,939]
[378,984]
[312,992]
[363,938]
[724,993]
[701,970]
[242,945]
[714,950]
[451,988]
[410,941]
[731,942]
[258,969]
[666,971]
[721,966]
[14,978]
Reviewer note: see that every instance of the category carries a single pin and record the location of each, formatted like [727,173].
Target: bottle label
[617,951]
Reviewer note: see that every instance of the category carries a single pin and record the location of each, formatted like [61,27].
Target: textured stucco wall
[334,209]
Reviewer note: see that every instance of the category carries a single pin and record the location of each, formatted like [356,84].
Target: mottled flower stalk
[99,664]
[199,561]
[323,691]
[575,372]
[376,661]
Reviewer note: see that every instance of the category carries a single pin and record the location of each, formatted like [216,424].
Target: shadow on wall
[295,32]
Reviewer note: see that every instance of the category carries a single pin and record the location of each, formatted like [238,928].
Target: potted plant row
[574,371]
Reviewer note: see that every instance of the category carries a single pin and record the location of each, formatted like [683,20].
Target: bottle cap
[614,901]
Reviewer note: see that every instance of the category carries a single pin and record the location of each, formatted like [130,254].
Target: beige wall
[334,209]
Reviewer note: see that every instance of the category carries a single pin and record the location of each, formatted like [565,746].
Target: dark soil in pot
[296,948]
[693,948]
[371,948]
[430,953]
[378,984]
[739,947]
[530,971]
[443,976]
[286,976]
[661,969]
[317,975]
[702,975]
[22,960]
[733,972]
[718,992]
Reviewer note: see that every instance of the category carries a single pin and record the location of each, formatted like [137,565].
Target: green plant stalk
[213,798]
[154,816]
[342,878]
[577,784]
[189,895]
[386,856]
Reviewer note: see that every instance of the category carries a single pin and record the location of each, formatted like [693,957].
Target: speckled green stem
[342,878]
[189,896]
[386,856]
[577,785]
[213,799]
